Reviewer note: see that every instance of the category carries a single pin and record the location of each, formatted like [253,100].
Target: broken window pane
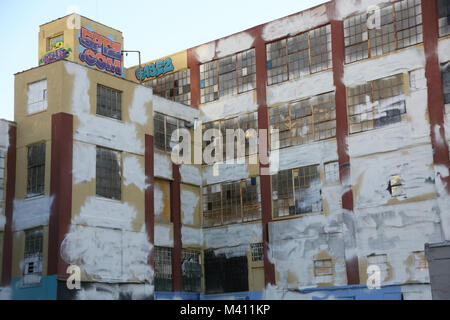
[109,102]
[36,170]
[444,17]
[191,270]
[108,174]
[163,269]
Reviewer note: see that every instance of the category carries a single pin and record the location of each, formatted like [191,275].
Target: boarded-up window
[108,174]
[304,121]
[37,97]
[191,270]
[33,255]
[36,170]
[401,26]
[228,76]
[109,102]
[376,104]
[232,202]
[297,191]
[444,17]
[294,57]
[163,269]
[175,87]
[164,128]
[223,275]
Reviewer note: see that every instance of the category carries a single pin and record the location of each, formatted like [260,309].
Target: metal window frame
[36,171]
[113,192]
[105,105]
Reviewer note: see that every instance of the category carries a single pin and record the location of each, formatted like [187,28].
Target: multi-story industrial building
[344,195]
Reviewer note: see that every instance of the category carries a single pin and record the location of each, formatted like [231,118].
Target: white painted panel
[37,97]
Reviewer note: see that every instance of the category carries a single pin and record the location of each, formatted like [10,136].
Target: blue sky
[156,28]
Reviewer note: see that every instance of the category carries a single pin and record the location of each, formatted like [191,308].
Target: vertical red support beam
[175,212]
[263,124]
[9,202]
[435,86]
[194,68]
[338,57]
[60,190]
[149,195]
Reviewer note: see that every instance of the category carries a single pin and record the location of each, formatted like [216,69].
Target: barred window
[108,174]
[36,170]
[175,86]
[444,17]
[401,26]
[245,122]
[446,82]
[257,252]
[304,121]
[228,76]
[33,256]
[164,127]
[376,104]
[163,269]
[192,270]
[231,202]
[294,57]
[297,191]
[109,102]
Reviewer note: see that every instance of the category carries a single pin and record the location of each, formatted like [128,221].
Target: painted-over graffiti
[155,69]
[100,51]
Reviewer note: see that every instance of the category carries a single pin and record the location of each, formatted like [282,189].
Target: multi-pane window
[376,104]
[108,174]
[164,127]
[227,76]
[245,122]
[175,86]
[109,102]
[37,97]
[33,255]
[257,252]
[323,268]
[163,269]
[36,170]
[401,26]
[231,202]
[444,17]
[294,57]
[332,172]
[304,121]
[297,191]
[446,82]
[192,270]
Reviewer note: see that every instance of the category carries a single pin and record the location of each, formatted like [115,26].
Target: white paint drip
[84,160]
[232,235]
[189,201]
[31,213]
[301,88]
[295,24]
[133,172]
[235,43]
[228,106]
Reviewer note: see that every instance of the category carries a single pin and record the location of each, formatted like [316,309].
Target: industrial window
[37,97]
[192,270]
[227,76]
[33,255]
[108,174]
[395,186]
[401,26]
[257,252]
[175,87]
[109,102]
[300,55]
[163,269]
[304,121]
[376,104]
[323,268]
[246,122]
[232,202]
[332,172]
[164,128]
[225,274]
[444,17]
[36,170]
[446,82]
[297,191]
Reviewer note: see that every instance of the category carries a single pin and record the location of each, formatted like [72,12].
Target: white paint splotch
[4,134]
[84,160]
[31,213]
[191,174]
[235,43]
[191,236]
[142,99]
[163,166]
[228,106]
[189,202]
[133,172]
[175,109]
[163,235]
[232,235]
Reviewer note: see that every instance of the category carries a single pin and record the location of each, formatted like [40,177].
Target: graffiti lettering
[155,69]
[101,52]
[56,55]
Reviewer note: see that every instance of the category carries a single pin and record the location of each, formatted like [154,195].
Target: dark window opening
[36,170]
[109,102]
[191,270]
[108,174]
[163,269]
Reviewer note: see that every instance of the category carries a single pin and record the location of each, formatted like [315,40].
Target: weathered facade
[349,179]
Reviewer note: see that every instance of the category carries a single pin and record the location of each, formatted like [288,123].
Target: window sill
[298,216]
[109,118]
[34,197]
